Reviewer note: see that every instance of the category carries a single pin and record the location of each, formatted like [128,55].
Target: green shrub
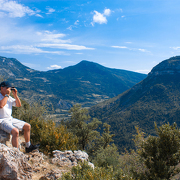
[28,112]
[160,154]
[107,157]
[43,130]
[52,137]
[82,126]
[85,172]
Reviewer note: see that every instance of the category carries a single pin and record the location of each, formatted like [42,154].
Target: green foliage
[85,172]
[107,136]
[105,157]
[97,146]
[52,137]
[156,98]
[44,130]
[131,163]
[82,126]
[29,112]
[100,142]
[69,84]
[160,154]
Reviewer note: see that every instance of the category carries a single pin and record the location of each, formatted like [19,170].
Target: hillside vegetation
[86,82]
[155,157]
[155,99]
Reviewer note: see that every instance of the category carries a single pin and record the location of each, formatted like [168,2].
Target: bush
[43,131]
[160,154]
[28,112]
[107,157]
[52,137]
[85,172]
[82,126]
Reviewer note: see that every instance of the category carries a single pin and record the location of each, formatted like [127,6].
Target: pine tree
[160,153]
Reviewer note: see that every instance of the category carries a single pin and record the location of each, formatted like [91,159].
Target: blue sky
[133,35]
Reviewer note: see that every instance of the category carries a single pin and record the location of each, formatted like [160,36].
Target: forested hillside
[155,99]
[86,82]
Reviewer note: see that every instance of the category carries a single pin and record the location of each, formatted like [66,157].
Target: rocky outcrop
[169,66]
[68,158]
[15,165]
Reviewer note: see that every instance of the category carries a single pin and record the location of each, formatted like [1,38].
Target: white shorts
[8,124]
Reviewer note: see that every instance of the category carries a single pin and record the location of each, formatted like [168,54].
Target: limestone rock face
[169,66]
[14,164]
[68,158]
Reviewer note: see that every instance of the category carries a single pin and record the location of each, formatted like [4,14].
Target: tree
[105,157]
[106,136]
[44,130]
[51,136]
[160,153]
[82,126]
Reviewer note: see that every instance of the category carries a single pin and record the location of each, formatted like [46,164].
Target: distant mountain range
[86,82]
[155,99]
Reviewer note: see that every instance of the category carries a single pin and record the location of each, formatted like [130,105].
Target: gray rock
[4,136]
[14,164]
[81,155]
[68,158]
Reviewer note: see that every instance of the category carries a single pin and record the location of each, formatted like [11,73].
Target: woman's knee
[15,132]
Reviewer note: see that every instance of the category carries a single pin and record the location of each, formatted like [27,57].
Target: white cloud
[131,49]
[13,9]
[50,10]
[70,27]
[100,18]
[120,47]
[38,15]
[143,50]
[27,40]
[52,37]
[175,48]
[23,49]
[76,22]
[107,12]
[145,71]
[65,46]
[54,67]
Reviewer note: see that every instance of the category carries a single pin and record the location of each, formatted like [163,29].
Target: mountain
[155,99]
[86,82]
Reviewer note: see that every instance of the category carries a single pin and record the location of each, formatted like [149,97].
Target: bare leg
[27,128]
[15,135]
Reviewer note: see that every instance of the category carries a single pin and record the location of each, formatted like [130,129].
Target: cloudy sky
[133,35]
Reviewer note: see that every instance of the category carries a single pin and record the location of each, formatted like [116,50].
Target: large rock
[14,164]
[68,158]
[4,136]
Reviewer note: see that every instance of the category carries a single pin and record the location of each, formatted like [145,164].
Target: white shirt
[6,111]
